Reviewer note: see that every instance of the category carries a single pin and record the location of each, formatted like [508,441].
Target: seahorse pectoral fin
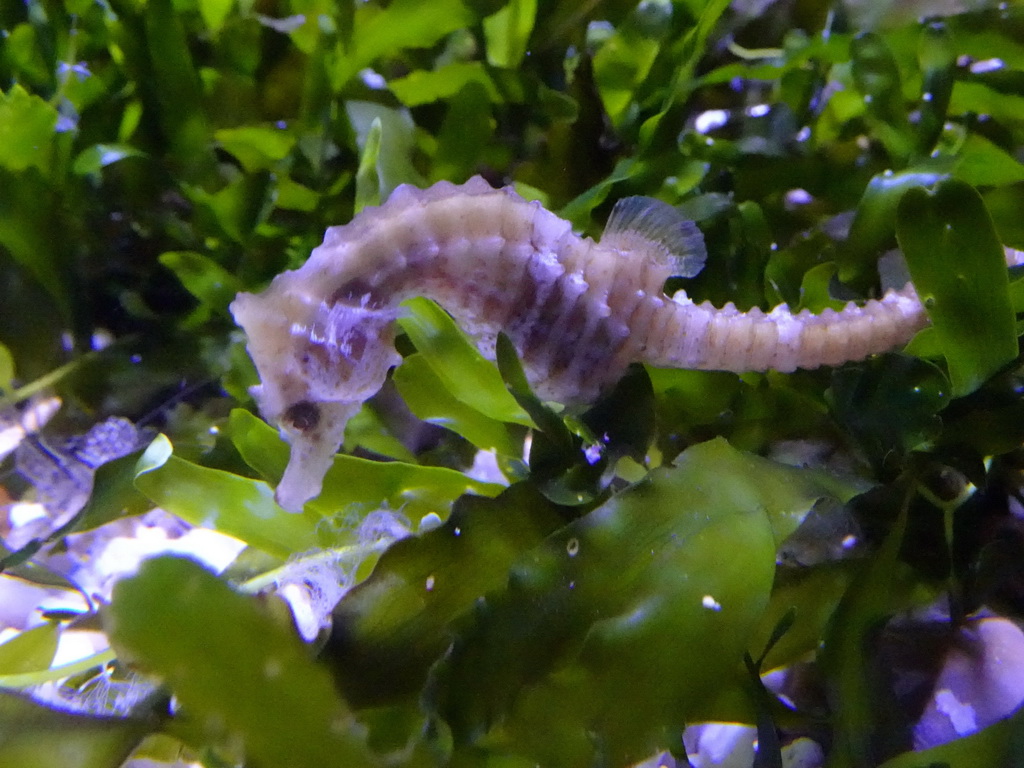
[661,230]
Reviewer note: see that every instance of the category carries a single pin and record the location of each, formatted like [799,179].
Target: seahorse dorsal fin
[645,223]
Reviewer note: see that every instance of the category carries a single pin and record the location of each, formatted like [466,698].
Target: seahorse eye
[303,415]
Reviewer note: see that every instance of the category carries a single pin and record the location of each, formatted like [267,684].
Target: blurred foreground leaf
[241,675]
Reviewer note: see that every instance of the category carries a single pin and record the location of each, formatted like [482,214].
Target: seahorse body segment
[578,311]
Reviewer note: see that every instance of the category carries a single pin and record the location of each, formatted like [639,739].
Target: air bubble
[572,546]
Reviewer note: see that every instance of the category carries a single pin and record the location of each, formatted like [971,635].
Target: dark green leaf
[392,627]
[877,77]
[204,278]
[34,736]
[582,640]
[889,405]
[936,55]
[959,271]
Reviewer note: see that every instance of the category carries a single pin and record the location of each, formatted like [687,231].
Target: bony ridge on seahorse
[578,312]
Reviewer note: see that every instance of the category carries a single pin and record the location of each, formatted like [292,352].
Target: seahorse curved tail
[701,336]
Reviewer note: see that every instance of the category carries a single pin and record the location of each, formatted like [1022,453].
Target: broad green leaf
[982,163]
[114,494]
[466,136]
[366,430]
[239,671]
[214,286]
[403,24]
[814,593]
[469,377]
[358,483]
[959,270]
[26,130]
[240,206]
[889,405]
[257,147]
[582,659]
[507,33]
[211,498]
[425,87]
[874,223]
[34,736]
[392,627]
[428,398]
[30,651]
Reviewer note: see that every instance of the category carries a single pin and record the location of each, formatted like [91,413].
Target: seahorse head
[317,362]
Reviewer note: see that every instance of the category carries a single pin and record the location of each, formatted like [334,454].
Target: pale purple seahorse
[577,311]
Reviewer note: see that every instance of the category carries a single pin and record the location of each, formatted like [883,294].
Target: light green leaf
[353,483]
[30,651]
[403,24]
[429,399]
[204,278]
[392,157]
[470,378]
[26,130]
[215,13]
[982,163]
[6,370]
[211,498]
[368,181]
[507,33]
[423,87]
[257,147]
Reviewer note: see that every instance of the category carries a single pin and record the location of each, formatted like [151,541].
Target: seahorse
[578,312]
